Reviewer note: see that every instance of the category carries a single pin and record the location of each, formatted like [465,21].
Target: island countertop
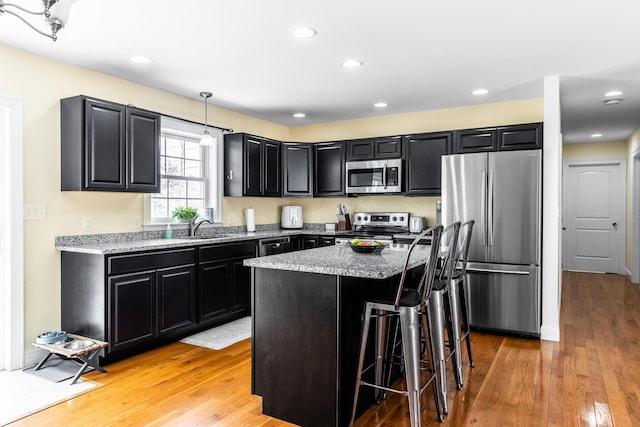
[340,260]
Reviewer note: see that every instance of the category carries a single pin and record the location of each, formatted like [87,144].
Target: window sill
[159,226]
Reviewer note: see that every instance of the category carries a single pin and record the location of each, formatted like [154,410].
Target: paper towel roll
[251,219]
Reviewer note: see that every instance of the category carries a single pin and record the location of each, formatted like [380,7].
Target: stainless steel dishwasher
[273,246]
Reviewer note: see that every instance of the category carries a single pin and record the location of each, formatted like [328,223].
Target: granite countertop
[121,243]
[340,260]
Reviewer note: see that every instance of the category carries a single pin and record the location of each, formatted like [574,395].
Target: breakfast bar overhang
[306,320]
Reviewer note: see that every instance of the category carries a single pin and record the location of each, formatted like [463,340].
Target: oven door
[375,176]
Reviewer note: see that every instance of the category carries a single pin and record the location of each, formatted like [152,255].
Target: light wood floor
[590,378]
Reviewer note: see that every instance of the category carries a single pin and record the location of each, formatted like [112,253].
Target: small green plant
[184,213]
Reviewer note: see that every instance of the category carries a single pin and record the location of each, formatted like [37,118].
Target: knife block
[344,223]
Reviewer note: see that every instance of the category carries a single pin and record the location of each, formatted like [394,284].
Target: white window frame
[212,162]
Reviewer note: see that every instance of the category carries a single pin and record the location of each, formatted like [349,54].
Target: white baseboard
[549,334]
[33,356]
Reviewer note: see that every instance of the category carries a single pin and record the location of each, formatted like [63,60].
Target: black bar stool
[408,305]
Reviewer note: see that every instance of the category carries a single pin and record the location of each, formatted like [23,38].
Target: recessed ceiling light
[596,135]
[612,101]
[352,63]
[304,32]
[139,59]
[299,115]
[480,92]
[380,104]
[613,93]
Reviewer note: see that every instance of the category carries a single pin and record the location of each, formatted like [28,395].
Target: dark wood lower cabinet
[213,290]
[176,298]
[139,301]
[224,283]
[131,303]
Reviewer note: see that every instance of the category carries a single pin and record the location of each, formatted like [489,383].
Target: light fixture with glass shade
[206,140]
[55,17]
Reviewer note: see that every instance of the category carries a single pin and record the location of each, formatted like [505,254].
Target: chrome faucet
[193,225]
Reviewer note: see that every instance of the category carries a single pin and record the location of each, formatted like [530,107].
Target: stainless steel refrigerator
[501,191]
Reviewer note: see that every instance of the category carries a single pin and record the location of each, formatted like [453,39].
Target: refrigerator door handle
[483,210]
[483,267]
[490,211]
[491,270]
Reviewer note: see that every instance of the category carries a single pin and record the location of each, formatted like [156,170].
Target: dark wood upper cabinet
[252,166]
[108,147]
[475,140]
[388,148]
[297,170]
[329,169]
[503,138]
[360,149]
[424,162]
[374,148]
[143,158]
[520,137]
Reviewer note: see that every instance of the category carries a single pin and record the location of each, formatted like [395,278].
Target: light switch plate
[35,211]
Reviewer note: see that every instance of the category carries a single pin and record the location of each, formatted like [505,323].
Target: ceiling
[417,54]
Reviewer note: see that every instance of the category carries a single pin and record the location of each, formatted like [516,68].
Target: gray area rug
[222,336]
[56,369]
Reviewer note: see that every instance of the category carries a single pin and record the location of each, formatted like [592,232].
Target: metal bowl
[79,344]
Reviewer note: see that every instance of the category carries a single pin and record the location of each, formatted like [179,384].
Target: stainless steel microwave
[374,176]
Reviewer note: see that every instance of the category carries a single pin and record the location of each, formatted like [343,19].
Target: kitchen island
[306,311]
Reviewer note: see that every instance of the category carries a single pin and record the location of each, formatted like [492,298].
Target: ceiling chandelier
[54,17]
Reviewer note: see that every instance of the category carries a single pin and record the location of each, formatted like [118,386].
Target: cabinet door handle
[230,176]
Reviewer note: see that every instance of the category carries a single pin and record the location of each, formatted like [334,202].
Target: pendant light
[206,140]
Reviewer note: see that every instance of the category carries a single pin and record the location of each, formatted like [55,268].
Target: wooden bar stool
[408,305]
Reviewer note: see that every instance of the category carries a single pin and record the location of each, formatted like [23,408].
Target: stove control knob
[401,218]
[366,218]
[394,219]
[358,218]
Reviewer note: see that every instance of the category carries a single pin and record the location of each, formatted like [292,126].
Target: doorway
[594,216]
[11,235]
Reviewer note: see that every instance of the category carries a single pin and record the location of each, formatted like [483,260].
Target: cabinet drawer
[520,137]
[229,250]
[475,140]
[150,261]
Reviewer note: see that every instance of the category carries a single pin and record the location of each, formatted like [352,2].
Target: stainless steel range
[380,226]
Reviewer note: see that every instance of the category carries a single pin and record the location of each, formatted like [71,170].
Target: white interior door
[594,216]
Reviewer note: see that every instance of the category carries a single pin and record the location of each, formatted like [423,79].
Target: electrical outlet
[136,221]
[232,219]
[35,211]
[86,223]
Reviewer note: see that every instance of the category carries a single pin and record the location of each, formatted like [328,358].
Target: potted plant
[185,214]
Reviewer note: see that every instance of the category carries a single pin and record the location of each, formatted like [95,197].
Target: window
[188,172]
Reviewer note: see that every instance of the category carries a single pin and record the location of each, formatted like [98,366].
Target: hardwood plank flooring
[590,378]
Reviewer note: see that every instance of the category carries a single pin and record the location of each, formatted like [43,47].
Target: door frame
[635,217]
[621,249]
[11,235]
